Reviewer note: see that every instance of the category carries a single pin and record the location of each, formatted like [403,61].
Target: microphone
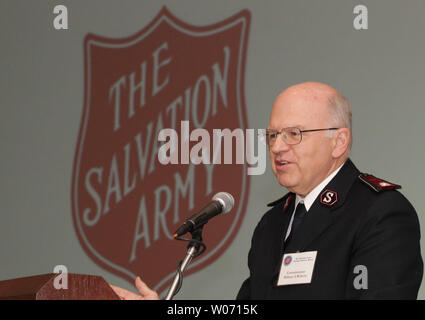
[222,202]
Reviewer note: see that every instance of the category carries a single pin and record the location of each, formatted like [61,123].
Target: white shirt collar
[309,198]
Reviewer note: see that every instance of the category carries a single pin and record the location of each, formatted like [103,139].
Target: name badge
[297,268]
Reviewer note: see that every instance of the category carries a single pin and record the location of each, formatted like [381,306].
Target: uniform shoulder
[273,211]
[280,200]
[385,196]
[377,184]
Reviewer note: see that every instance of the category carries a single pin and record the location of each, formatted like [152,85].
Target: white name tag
[297,268]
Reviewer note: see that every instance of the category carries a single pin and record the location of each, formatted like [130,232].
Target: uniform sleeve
[386,260]
[244,291]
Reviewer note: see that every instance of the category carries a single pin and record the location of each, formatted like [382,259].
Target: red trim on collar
[288,202]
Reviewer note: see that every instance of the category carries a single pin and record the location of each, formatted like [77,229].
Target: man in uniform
[353,225]
[350,235]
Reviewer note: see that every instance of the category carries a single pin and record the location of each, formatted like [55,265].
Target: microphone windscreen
[226,200]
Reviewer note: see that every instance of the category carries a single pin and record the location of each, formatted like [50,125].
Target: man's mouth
[280,164]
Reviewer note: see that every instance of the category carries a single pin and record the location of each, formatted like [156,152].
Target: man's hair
[340,110]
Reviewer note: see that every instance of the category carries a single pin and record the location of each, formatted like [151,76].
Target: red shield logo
[125,203]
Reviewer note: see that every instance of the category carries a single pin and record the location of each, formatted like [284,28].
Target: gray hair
[340,111]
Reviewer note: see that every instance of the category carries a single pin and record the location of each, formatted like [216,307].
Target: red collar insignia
[329,198]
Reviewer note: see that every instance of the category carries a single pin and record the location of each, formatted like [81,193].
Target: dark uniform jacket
[366,223]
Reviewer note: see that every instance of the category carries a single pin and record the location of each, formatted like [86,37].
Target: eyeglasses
[291,136]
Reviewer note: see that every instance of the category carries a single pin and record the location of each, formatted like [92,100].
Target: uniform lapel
[320,216]
[279,227]
[317,220]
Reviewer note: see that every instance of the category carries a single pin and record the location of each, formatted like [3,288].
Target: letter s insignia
[329,198]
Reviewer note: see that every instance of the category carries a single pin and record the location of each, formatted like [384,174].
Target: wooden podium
[41,287]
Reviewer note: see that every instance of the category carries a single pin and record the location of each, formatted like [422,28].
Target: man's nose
[279,145]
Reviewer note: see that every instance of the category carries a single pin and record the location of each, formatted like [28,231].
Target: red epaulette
[377,184]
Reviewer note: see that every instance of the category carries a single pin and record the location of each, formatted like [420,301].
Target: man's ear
[341,142]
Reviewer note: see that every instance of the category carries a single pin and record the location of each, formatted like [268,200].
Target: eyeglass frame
[301,133]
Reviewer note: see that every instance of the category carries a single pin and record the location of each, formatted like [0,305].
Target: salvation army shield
[125,203]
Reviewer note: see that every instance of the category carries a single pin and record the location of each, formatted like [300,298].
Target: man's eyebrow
[294,126]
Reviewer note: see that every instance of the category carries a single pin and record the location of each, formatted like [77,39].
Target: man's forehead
[300,108]
[311,94]
[299,98]
[298,114]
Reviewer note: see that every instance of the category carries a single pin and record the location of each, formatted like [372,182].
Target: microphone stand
[192,252]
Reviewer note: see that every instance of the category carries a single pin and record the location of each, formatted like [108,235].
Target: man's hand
[145,292]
